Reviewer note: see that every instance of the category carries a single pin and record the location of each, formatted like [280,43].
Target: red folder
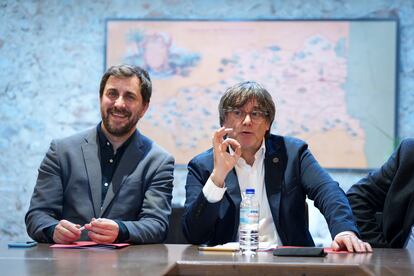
[90,244]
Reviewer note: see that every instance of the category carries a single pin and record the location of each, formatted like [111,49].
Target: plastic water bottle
[249,223]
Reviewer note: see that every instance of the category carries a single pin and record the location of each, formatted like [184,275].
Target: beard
[116,129]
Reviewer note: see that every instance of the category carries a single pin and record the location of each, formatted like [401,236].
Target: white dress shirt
[250,177]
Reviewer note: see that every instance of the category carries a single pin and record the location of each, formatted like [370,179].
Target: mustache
[119,111]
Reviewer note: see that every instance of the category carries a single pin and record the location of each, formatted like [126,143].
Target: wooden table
[176,259]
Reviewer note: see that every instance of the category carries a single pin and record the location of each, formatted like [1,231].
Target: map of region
[308,68]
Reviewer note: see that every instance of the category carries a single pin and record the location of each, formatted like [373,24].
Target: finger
[103,231]
[99,238]
[238,151]
[357,244]
[365,247]
[74,228]
[68,231]
[61,239]
[105,226]
[57,237]
[218,136]
[345,242]
[88,226]
[60,236]
[234,144]
[104,223]
[368,247]
[348,244]
[335,246]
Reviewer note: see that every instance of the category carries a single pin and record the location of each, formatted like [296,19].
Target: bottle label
[249,216]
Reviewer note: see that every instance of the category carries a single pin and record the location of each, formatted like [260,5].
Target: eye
[112,94]
[237,113]
[256,114]
[130,97]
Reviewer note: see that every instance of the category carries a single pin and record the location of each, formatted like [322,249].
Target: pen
[218,248]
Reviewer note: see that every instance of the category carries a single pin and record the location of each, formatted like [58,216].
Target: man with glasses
[281,170]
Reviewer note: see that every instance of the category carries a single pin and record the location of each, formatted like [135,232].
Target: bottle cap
[249,191]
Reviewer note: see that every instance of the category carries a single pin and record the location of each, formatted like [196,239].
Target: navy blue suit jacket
[291,174]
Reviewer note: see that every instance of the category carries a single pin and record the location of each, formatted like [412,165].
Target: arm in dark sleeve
[367,197]
[200,216]
[328,197]
[46,203]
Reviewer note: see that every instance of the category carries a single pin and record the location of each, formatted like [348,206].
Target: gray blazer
[69,187]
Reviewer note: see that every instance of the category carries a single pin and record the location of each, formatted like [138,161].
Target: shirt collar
[104,142]
[258,156]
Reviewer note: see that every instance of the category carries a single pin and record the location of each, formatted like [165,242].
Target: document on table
[90,244]
[234,246]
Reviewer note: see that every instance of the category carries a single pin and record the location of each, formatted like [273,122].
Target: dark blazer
[69,187]
[291,174]
[390,191]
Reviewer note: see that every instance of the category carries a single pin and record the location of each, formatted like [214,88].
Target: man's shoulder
[408,144]
[77,137]
[287,142]
[152,146]
[206,157]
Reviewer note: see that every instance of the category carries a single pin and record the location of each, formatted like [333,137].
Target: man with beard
[110,183]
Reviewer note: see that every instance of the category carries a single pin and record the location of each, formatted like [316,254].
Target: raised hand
[224,161]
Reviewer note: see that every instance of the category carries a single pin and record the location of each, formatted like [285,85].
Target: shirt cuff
[345,233]
[213,193]
[49,231]
[123,233]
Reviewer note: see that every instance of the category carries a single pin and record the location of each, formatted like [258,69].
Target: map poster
[333,82]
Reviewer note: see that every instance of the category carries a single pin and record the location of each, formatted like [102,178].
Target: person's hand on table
[66,232]
[102,230]
[349,241]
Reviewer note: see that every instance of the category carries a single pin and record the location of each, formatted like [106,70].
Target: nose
[247,120]
[119,102]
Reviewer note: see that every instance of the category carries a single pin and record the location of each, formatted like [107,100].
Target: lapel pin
[275,160]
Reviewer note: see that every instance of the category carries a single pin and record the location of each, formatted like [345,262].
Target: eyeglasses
[256,116]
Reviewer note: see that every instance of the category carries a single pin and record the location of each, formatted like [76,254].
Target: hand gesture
[224,161]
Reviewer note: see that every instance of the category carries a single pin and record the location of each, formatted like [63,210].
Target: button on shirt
[250,177]
[109,160]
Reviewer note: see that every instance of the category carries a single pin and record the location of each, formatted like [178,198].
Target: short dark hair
[241,93]
[126,71]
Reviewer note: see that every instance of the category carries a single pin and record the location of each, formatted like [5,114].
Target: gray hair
[241,93]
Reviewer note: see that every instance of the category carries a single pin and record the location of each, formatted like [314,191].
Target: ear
[144,109]
[268,125]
